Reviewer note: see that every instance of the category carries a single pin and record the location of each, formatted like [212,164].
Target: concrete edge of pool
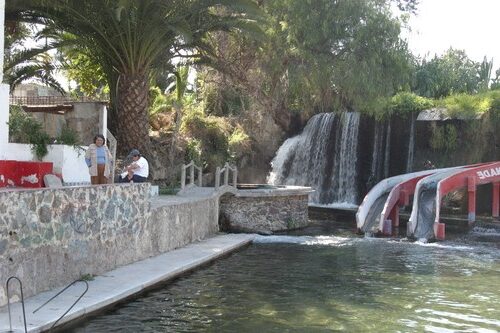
[119,284]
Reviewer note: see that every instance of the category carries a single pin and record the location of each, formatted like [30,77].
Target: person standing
[98,159]
[137,171]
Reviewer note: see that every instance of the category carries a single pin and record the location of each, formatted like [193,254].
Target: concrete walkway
[118,284]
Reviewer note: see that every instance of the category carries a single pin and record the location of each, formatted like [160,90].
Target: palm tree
[130,38]
[21,64]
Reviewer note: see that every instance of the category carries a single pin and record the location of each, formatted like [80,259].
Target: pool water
[327,281]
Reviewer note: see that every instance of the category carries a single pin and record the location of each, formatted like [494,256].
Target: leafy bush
[24,129]
[405,103]
[239,143]
[465,106]
[211,140]
[68,137]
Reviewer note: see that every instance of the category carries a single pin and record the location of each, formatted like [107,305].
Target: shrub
[404,103]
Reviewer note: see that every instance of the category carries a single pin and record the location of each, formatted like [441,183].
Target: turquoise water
[331,281]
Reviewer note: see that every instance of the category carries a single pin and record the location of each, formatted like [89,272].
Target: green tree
[27,64]
[485,74]
[81,68]
[129,39]
[452,73]
[317,55]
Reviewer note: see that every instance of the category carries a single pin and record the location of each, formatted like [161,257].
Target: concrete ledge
[119,284]
[275,192]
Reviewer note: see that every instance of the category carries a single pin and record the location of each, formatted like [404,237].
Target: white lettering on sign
[488,173]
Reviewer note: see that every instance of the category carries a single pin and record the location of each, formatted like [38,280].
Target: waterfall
[381,153]
[411,145]
[323,156]
[387,149]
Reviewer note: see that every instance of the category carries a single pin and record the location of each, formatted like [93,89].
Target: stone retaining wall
[265,211]
[51,237]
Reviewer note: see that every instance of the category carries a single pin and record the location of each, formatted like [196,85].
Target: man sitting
[137,171]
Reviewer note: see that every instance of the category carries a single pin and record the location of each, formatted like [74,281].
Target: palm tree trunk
[132,112]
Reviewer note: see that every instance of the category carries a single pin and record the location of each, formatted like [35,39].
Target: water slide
[381,204]
[370,210]
[425,218]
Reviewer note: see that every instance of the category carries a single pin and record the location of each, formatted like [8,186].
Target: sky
[470,25]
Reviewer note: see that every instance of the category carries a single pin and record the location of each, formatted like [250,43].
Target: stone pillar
[4,89]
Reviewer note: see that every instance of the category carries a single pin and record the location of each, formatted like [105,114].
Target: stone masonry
[50,237]
[266,213]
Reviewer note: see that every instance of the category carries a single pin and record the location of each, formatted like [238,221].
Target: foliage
[25,129]
[211,140]
[194,152]
[495,83]
[238,143]
[405,103]
[466,106]
[452,73]
[85,71]
[133,39]
[317,56]
[159,101]
[68,137]
[23,64]
[484,74]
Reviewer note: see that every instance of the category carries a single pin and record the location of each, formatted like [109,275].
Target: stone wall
[264,211]
[50,237]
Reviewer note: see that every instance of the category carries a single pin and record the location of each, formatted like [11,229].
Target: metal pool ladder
[72,305]
[22,302]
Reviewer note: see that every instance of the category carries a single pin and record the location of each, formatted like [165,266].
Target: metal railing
[72,305]
[191,167]
[22,302]
[225,170]
[52,100]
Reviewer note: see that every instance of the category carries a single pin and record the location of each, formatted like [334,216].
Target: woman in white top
[137,171]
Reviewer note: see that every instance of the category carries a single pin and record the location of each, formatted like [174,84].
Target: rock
[52,181]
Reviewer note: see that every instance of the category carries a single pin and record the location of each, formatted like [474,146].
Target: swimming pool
[325,279]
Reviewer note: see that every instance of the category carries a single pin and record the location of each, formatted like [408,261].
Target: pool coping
[119,284]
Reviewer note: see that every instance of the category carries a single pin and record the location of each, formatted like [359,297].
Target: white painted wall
[67,161]
[4,112]
[4,89]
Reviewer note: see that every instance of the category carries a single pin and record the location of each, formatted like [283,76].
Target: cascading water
[323,156]
[380,154]
[411,146]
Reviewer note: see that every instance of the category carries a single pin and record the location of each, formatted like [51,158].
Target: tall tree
[27,64]
[453,72]
[319,55]
[129,38]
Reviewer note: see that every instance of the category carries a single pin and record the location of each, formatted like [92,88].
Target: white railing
[191,167]
[112,148]
[227,168]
